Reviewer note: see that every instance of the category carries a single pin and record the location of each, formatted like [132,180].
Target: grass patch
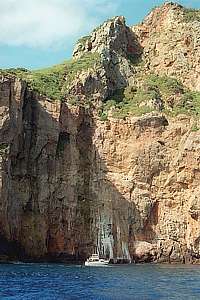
[131,110]
[194,98]
[186,102]
[126,102]
[160,93]
[48,81]
[166,85]
[194,128]
[19,72]
[191,15]
[188,105]
[55,81]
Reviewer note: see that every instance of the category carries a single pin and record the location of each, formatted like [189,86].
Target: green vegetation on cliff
[191,15]
[128,101]
[161,93]
[54,82]
[3,148]
[163,84]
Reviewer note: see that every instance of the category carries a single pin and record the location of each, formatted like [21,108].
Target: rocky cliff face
[71,183]
[115,43]
[170,36]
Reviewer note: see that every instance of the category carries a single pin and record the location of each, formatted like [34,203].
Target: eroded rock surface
[171,43]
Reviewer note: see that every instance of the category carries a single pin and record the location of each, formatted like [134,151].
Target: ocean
[59,281]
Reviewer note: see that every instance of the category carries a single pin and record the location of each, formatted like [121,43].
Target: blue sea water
[57,281]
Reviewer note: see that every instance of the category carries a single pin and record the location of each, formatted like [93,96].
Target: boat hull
[96,264]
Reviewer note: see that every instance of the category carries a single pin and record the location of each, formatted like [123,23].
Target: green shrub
[3,148]
[191,15]
[127,102]
[103,116]
[48,81]
[134,101]
[196,102]
[191,102]
[194,127]
[166,85]
[131,110]
[21,73]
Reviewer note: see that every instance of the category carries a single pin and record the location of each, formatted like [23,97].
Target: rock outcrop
[170,36]
[71,183]
[116,44]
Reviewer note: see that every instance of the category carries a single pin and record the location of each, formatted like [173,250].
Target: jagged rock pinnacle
[112,35]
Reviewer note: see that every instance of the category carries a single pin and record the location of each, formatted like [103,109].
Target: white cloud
[49,23]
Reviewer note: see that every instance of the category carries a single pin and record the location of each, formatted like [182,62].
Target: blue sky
[39,33]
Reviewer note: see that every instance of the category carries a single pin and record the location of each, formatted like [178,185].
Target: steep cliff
[103,151]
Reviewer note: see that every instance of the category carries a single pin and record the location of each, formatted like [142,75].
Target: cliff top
[114,56]
[176,10]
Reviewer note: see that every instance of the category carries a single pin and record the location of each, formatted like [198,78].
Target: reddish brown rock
[71,183]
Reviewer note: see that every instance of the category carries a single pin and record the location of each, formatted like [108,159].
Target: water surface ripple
[58,281]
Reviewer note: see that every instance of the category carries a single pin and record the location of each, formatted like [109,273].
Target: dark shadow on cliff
[54,198]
